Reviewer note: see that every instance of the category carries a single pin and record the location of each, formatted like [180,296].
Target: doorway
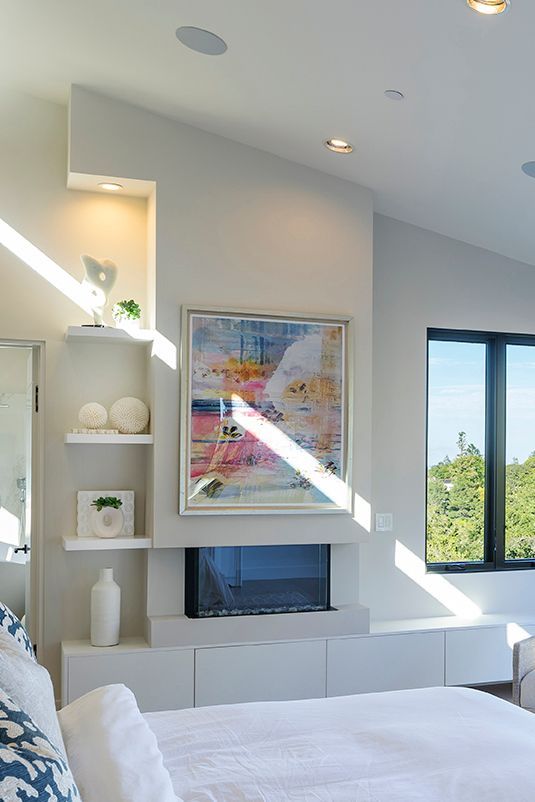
[19,371]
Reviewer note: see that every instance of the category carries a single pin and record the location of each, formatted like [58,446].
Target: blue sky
[457,398]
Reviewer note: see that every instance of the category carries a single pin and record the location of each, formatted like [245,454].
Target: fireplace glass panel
[256,580]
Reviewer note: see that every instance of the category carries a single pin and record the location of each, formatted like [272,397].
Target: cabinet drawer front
[476,656]
[159,680]
[385,663]
[270,672]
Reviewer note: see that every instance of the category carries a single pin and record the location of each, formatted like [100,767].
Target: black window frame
[495,445]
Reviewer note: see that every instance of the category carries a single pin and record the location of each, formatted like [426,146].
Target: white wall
[232,226]
[235,227]
[423,279]
[34,200]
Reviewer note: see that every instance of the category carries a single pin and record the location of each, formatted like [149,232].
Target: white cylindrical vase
[105,610]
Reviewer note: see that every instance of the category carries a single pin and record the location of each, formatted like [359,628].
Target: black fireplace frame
[191,584]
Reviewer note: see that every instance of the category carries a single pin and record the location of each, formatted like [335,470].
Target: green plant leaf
[106,501]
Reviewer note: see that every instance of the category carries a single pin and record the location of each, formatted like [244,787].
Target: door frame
[37,495]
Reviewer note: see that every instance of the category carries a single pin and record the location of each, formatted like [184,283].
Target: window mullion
[498,482]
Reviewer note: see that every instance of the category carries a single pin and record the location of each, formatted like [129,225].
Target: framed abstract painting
[266,413]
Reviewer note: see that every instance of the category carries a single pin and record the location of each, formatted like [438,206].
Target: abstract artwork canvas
[265,413]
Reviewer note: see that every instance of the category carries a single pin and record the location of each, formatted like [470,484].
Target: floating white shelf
[109,439]
[108,334]
[105,544]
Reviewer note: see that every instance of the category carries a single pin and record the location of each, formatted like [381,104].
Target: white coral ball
[129,415]
[93,416]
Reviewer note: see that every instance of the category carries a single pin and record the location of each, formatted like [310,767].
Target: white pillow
[112,752]
[28,685]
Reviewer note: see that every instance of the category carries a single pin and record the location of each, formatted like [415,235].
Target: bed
[432,745]
[429,745]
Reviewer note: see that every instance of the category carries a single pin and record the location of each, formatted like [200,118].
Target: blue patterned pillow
[11,624]
[30,767]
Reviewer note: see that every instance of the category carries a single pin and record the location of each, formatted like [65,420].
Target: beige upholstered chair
[524,674]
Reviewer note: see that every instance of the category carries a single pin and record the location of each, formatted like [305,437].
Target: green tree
[456,507]
[520,510]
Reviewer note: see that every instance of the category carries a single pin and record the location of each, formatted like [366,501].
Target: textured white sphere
[129,415]
[93,416]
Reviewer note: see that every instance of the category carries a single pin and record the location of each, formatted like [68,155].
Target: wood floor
[504,690]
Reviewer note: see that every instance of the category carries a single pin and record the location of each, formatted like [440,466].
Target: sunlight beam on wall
[165,350]
[44,266]
[285,448]
[434,584]
[362,512]
[515,633]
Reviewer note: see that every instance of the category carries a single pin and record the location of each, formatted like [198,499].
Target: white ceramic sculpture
[129,415]
[93,415]
[100,276]
[105,610]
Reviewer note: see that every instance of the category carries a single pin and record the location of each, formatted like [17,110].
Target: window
[480,451]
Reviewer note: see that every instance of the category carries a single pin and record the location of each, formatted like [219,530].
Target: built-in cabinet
[161,679]
[384,663]
[479,656]
[260,673]
[172,677]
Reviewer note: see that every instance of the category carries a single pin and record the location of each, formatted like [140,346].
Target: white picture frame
[338,501]
[84,499]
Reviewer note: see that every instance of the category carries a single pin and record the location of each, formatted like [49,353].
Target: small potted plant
[107,519]
[126,314]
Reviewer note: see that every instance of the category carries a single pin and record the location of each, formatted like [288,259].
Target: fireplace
[257,580]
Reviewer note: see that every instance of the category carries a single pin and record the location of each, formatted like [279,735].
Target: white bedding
[432,745]
[112,751]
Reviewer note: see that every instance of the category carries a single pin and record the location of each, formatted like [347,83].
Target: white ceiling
[298,71]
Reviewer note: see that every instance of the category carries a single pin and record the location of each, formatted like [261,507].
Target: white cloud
[463,399]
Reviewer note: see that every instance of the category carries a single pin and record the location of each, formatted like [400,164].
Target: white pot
[105,610]
[108,522]
[127,324]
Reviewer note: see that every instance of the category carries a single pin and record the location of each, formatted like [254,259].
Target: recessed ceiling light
[394,94]
[201,41]
[110,186]
[338,145]
[489,6]
[529,169]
